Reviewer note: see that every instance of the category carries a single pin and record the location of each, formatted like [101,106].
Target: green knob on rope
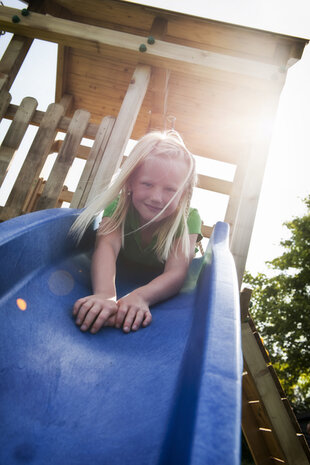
[142,48]
[150,40]
[25,12]
[15,19]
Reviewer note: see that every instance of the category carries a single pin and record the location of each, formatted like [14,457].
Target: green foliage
[281,311]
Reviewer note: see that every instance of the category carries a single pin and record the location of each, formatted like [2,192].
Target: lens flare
[61,282]
[21,304]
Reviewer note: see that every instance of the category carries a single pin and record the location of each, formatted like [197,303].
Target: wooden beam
[97,40]
[214,184]
[63,123]
[13,58]
[122,129]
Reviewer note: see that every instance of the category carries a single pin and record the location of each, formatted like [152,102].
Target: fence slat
[30,171]
[5,98]
[91,167]
[54,184]
[16,133]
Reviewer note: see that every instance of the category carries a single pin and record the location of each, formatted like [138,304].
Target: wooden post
[122,129]
[13,58]
[251,187]
[38,152]
[235,194]
[64,160]
[16,133]
[95,156]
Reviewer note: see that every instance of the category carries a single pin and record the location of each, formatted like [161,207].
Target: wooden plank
[256,420]
[38,152]
[122,129]
[282,427]
[164,54]
[256,443]
[13,58]
[94,159]
[15,133]
[64,160]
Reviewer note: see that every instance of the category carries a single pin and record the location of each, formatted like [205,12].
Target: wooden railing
[30,192]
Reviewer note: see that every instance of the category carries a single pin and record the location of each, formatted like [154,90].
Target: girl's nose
[156,195]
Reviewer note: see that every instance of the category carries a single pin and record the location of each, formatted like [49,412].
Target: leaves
[281,310]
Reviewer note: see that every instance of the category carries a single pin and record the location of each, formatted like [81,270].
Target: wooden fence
[30,192]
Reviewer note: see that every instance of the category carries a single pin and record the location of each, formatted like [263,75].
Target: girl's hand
[133,312]
[94,310]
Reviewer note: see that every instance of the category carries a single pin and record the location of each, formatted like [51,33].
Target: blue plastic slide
[167,394]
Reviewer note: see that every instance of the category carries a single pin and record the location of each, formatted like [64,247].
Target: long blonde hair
[168,144]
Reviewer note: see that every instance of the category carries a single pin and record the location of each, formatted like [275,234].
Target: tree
[281,311]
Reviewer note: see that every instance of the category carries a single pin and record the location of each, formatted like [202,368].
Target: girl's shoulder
[110,209]
[194,221]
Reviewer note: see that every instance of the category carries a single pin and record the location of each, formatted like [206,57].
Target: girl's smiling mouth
[153,208]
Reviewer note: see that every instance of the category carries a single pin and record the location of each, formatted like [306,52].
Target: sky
[287,176]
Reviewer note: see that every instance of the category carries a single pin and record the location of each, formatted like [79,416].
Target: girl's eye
[171,189]
[146,184]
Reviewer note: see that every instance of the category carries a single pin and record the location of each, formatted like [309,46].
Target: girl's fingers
[110,321]
[138,320]
[83,310]
[91,316]
[77,305]
[121,315]
[103,316]
[147,319]
[130,317]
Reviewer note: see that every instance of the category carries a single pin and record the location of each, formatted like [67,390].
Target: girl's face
[154,183]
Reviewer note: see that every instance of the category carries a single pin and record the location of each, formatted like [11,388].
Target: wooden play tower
[124,69]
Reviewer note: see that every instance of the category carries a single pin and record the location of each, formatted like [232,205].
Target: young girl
[147,217]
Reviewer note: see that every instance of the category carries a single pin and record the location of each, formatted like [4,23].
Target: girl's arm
[133,309]
[96,309]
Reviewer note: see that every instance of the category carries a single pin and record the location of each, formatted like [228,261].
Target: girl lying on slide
[147,218]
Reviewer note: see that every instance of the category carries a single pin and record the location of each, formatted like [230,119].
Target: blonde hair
[167,144]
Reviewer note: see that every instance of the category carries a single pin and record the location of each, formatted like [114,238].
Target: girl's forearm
[164,286]
[103,271]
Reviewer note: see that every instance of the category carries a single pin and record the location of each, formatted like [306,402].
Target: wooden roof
[211,85]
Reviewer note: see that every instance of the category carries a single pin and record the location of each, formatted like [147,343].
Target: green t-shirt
[133,249]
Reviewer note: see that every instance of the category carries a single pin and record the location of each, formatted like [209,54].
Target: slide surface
[167,394]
